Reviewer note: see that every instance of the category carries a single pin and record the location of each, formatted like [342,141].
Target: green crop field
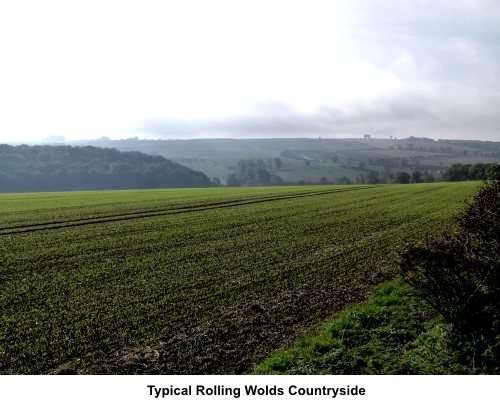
[194,281]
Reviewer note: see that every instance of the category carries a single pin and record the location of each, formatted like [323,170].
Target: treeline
[456,272]
[487,145]
[26,168]
[464,172]
[254,172]
[456,172]
[400,177]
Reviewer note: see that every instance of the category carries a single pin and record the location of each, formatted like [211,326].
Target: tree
[278,163]
[215,182]
[263,177]
[121,169]
[343,180]
[478,171]
[372,177]
[428,177]
[417,177]
[401,178]
[386,174]
[361,178]
[456,172]
[232,181]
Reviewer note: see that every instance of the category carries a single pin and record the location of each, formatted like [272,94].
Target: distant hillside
[26,168]
[317,160]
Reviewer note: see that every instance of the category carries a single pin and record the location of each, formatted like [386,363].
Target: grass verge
[395,332]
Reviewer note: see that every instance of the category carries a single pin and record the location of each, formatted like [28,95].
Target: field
[194,281]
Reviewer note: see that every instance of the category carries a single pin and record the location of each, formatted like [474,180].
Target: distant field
[194,281]
[331,158]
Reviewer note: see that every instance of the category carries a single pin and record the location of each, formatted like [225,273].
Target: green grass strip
[394,332]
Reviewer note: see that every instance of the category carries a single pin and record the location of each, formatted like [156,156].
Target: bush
[458,273]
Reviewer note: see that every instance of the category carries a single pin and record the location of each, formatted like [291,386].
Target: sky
[178,69]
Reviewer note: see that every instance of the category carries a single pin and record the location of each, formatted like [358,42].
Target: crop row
[231,280]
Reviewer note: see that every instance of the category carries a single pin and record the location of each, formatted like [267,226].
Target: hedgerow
[458,273]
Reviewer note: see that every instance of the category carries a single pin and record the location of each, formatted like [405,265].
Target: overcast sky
[237,68]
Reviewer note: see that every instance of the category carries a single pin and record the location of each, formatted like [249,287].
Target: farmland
[335,159]
[194,281]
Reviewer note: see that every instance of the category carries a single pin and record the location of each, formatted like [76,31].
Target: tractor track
[54,225]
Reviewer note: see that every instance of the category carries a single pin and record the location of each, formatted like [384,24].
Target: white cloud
[102,68]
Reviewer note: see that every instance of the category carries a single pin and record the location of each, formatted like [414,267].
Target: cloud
[54,138]
[439,40]
[286,125]
[438,111]
[255,68]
